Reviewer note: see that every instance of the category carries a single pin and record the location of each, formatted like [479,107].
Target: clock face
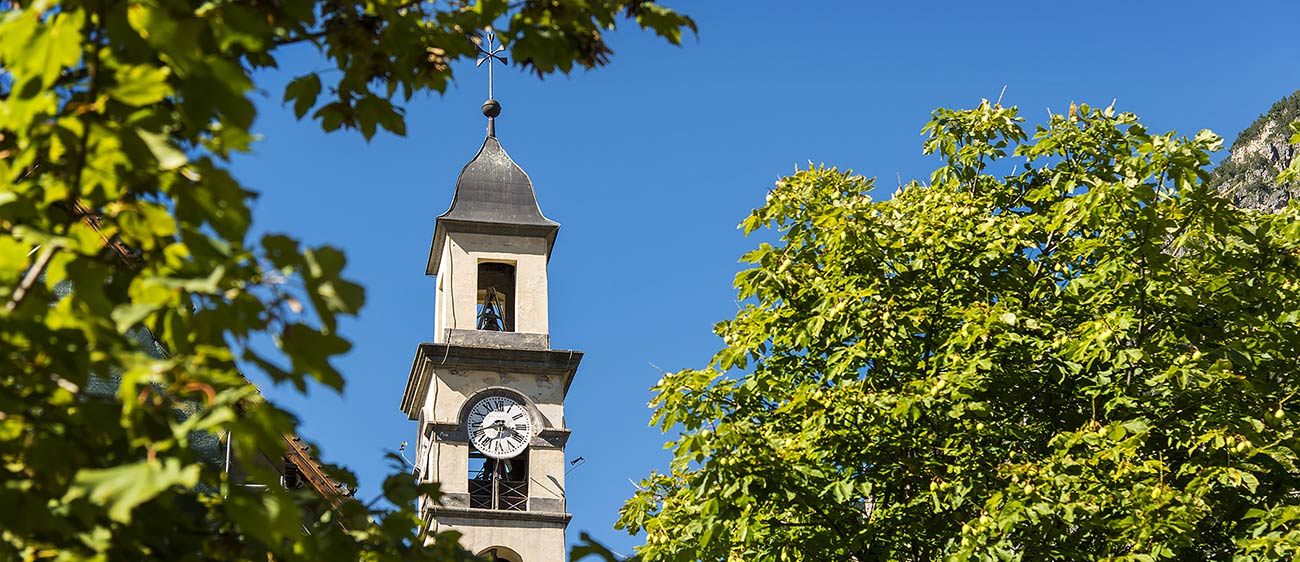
[499,427]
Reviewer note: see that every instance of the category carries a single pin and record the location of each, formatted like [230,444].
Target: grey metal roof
[492,188]
[493,196]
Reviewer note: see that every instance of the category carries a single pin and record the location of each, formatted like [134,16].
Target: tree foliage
[1064,346]
[1292,173]
[117,122]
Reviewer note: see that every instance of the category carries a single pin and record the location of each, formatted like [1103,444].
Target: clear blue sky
[651,162]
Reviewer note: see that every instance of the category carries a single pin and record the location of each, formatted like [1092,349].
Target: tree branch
[33,274]
[300,39]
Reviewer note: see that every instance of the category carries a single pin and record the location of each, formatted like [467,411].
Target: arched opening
[500,553]
[495,299]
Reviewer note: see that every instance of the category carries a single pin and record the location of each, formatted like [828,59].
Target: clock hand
[500,427]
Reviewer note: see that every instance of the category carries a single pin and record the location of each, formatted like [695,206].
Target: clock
[499,426]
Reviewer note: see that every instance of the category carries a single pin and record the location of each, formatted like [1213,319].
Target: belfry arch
[500,553]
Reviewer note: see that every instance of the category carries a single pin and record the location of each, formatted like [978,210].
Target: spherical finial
[491,108]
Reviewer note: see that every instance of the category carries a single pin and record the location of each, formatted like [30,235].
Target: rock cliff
[1249,174]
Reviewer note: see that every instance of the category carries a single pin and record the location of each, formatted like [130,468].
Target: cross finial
[489,53]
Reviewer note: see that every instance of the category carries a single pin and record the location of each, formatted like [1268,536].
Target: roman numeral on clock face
[499,426]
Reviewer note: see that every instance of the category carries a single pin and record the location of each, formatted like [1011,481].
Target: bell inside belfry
[489,314]
[496,297]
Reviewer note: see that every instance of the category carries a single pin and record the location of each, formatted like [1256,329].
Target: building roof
[493,196]
[493,189]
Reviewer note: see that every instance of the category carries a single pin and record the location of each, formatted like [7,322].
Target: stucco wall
[536,535]
[534,541]
[458,280]
[448,462]
[546,472]
[452,387]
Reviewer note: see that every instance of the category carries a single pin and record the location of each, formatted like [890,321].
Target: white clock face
[499,427]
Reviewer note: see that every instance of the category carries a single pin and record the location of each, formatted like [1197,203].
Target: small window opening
[498,483]
[496,297]
[500,554]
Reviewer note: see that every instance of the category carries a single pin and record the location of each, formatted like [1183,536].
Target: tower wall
[445,380]
[452,387]
[458,280]
[534,541]
[449,448]
[490,251]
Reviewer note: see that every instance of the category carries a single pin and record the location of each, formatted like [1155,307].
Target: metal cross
[489,55]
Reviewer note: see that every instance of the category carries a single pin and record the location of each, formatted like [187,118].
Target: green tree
[1064,346]
[117,122]
[1292,173]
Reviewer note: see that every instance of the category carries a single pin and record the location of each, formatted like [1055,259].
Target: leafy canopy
[117,122]
[1064,346]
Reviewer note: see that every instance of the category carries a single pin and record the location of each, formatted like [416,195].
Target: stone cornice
[547,438]
[430,356]
[443,513]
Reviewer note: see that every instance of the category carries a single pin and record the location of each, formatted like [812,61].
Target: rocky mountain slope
[1249,174]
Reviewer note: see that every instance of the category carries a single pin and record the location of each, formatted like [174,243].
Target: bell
[488,317]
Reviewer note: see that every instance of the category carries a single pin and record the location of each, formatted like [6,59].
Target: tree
[1064,346]
[117,122]
[1292,173]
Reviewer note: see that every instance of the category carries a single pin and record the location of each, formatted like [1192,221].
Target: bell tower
[488,392]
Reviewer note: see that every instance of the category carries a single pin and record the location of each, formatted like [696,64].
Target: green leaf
[55,45]
[588,546]
[329,292]
[127,316]
[141,85]
[303,90]
[311,351]
[13,258]
[665,22]
[169,157]
[122,488]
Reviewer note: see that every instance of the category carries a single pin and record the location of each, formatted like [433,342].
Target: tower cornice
[430,356]
[560,519]
[444,226]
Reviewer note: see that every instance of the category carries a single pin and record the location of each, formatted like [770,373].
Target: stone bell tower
[488,392]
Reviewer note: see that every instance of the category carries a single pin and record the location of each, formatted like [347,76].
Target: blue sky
[651,162]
